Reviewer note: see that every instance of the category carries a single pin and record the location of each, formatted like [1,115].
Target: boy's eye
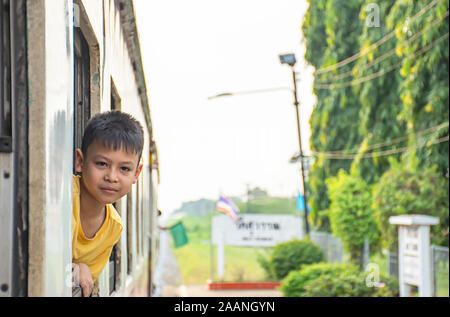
[101,163]
[125,169]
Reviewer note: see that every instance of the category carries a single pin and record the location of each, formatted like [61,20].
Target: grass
[195,264]
[442,274]
[194,258]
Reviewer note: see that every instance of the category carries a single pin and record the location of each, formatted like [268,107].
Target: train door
[13,149]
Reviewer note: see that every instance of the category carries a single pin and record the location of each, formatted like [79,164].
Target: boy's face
[107,174]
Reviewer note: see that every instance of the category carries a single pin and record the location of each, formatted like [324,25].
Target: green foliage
[294,283]
[292,255]
[348,285]
[351,215]
[410,98]
[264,261]
[405,191]
[335,280]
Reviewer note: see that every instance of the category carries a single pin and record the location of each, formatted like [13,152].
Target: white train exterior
[63,61]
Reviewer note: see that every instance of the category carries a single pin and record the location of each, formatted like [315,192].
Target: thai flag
[227,206]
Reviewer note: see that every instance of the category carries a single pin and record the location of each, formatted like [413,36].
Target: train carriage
[61,63]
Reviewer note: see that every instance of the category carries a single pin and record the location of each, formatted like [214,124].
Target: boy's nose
[111,175]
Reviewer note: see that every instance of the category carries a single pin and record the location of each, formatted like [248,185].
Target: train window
[5,79]
[129,233]
[112,270]
[138,221]
[7,177]
[82,100]
[142,215]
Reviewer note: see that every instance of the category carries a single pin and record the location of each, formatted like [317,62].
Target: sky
[195,49]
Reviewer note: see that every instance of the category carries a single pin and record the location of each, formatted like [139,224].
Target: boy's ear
[137,173]
[78,160]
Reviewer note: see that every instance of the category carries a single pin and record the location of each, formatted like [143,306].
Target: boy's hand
[85,279]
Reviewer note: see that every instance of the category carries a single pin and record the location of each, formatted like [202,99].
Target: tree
[351,214]
[401,191]
[404,108]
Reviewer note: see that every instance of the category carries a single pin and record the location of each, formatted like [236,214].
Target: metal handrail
[76,292]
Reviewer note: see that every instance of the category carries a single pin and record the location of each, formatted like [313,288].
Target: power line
[391,52]
[379,145]
[380,153]
[391,142]
[381,72]
[247,92]
[387,37]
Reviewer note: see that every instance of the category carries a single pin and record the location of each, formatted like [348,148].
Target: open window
[5,79]
[129,233]
[82,82]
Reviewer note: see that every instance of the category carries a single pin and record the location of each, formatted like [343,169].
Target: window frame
[82,89]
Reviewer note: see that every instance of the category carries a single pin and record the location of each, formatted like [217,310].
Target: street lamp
[289,59]
[247,92]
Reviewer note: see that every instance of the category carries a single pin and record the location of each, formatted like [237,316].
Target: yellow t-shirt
[94,252]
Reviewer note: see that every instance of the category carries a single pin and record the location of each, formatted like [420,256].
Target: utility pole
[290,60]
[301,152]
[247,205]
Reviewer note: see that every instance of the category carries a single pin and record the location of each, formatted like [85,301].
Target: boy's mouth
[109,190]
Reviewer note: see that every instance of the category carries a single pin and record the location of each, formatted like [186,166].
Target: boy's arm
[83,277]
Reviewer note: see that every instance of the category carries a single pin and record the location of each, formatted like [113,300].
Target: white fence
[439,269]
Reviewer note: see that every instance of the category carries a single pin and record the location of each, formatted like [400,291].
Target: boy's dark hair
[116,130]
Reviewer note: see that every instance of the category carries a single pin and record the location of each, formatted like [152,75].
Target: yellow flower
[403,72]
[428,108]
[363,146]
[407,99]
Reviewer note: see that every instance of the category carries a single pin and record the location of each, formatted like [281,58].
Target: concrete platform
[202,291]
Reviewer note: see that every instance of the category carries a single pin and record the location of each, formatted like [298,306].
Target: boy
[109,164]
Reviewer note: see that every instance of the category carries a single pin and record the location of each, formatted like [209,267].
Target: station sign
[256,230]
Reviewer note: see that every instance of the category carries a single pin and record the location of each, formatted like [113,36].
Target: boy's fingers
[87,289]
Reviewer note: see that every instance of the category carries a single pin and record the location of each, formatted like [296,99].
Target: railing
[392,262]
[76,292]
[439,270]
[331,246]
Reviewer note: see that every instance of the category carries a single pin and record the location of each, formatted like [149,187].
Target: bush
[292,255]
[402,190]
[335,280]
[351,215]
[346,286]
[288,256]
[264,261]
[294,284]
